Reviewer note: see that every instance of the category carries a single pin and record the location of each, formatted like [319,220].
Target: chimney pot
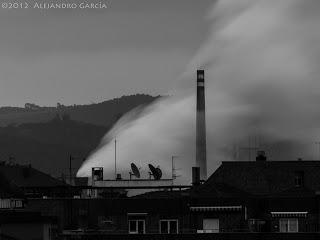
[119,176]
[261,156]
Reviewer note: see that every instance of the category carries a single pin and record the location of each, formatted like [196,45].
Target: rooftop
[266,177]
[26,176]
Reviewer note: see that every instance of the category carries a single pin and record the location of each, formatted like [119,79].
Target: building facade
[239,197]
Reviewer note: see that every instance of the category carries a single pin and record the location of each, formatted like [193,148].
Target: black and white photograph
[159,119]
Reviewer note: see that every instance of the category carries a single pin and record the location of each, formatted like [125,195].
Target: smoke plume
[262,91]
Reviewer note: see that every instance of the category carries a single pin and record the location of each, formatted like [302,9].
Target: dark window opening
[137,226]
[299,179]
[169,226]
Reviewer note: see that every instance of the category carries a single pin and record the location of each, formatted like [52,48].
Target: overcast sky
[82,56]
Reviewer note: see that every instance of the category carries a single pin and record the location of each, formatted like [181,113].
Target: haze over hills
[45,137]
[104,113]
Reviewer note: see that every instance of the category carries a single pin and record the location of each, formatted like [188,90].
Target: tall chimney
[201,152]
[195,176]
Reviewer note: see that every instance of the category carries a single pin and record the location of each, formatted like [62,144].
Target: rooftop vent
[97,174]
[261,156]
[118,176]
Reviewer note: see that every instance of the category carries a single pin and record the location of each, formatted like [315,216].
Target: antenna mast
[115,158]
[318,143]
[250,148]
[173,169]
[70,168]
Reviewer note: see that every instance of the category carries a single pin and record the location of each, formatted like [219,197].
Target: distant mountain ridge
[45,137]
[103,114]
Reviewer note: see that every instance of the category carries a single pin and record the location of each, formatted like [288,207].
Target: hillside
[103,114]
[46,137]
[47,146]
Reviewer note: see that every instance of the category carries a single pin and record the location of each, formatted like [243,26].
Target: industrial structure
[258,199]
[201,148]
[97,185]
[243,199]
[199,173]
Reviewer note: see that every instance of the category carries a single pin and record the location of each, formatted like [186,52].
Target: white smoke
[262,79]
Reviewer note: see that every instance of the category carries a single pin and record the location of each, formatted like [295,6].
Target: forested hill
[45,137]
[103,114]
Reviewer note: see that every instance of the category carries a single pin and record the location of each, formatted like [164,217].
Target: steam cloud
[262,82]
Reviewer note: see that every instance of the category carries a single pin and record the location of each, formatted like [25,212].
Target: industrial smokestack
[195,176]
[201,152]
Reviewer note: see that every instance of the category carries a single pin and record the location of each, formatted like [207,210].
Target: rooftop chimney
[201,152]
[261,156]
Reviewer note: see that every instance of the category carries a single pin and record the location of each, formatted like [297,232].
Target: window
[53,232]
[5,203]
[256,225]
[169,226]
[298,180]
[211,225]
[18,204]
[288,225]
[137,226]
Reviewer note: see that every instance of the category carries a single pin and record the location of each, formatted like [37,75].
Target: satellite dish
[155,172]
[135,171]
[159,172]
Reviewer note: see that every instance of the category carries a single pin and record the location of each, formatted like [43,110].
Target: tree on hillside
[31,106]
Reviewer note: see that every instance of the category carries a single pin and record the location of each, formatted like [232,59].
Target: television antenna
[174,169]
[115,158]
[318,143]
[251,148]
